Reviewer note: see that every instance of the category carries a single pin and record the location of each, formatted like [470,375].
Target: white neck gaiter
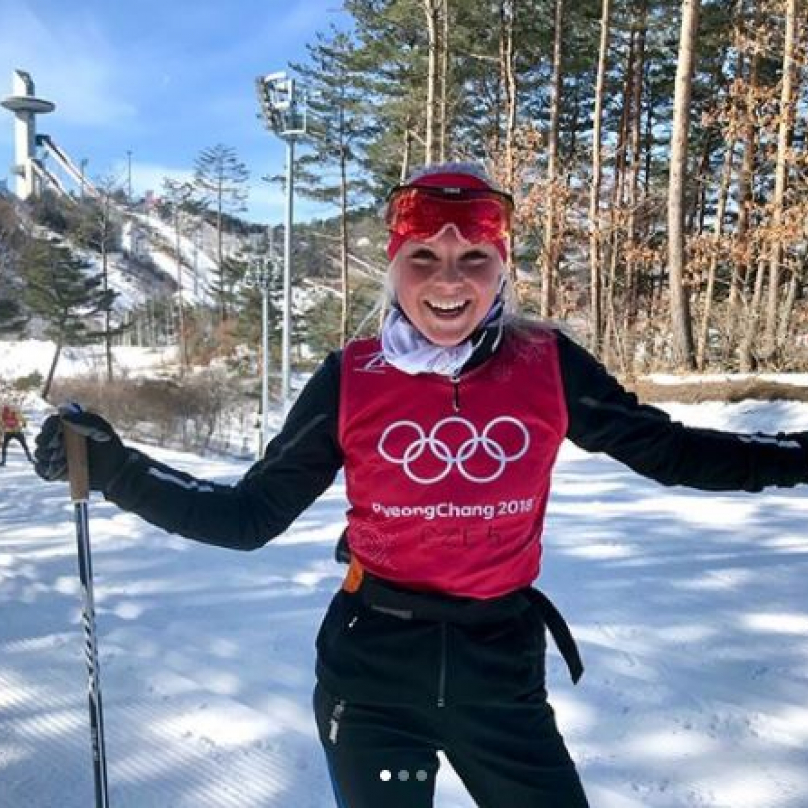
[405,348]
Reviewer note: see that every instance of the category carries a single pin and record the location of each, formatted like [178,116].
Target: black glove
[105,452]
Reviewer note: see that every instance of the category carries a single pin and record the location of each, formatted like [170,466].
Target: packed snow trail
[691,610]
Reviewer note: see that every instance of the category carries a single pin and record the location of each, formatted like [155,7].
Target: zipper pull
[456,391]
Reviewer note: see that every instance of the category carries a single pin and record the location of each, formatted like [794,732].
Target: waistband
[385,597]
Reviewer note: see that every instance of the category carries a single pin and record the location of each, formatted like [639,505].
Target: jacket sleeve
[299,464]
[604,417]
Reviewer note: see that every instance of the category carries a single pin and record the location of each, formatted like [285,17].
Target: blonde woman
[447,425]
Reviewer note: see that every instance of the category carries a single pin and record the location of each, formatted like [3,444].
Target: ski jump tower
[25,106]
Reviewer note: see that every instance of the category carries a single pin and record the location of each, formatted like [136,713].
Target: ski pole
[79,478]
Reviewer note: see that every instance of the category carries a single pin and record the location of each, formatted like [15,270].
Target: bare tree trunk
[788,307]
[345,319]
[180,307]
[784,132]
[747,360]
[105,275]
[648,143]
[52,370]
[551,238]
[501,81]
[680,304]
[510,94]
[721,209]
[612,337]
[220,256]
[630,310]
[407,152]
[742,269]
[508,83]
[595,282]
[431,9]
[698,209]
[444,71]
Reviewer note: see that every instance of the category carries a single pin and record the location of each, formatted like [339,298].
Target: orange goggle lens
[419,212]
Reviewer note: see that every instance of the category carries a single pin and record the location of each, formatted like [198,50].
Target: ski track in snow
[691,610]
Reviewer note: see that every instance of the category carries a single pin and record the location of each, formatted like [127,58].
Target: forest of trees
[656,150]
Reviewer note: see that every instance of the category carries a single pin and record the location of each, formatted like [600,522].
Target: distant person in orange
[12,424]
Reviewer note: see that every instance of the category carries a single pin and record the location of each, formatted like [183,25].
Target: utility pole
[260,272]
[129,176]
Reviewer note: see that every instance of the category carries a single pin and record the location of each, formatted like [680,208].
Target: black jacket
[302,461]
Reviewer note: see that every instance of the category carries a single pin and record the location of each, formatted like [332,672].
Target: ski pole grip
[78,468]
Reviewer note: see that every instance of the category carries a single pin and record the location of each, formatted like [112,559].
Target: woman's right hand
[106,454]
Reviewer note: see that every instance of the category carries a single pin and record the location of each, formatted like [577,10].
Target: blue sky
[162,78]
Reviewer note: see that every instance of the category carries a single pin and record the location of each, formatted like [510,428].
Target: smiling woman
[446,285]
[449,228]
[447,425]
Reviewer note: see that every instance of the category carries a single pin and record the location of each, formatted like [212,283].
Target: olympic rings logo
[440,449]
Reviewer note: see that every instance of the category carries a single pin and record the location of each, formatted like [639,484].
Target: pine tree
[338,133]
[221,180]
[12,316]
[98,228]
[61,291]
[391,64]
[181,199]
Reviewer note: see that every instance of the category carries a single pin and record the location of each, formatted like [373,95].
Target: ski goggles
[421,211]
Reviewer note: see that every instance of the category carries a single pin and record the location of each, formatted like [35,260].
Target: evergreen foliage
[220,178]
[62,292]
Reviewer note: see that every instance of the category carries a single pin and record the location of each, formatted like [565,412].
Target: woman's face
[446,285]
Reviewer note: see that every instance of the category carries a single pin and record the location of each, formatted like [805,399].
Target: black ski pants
[20,438]
[395,687]
[508,755]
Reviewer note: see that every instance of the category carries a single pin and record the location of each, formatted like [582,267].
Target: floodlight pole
[286,118]
[265,367]
[286,346]
[265,282]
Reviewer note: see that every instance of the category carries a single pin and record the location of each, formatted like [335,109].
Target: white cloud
[70,60]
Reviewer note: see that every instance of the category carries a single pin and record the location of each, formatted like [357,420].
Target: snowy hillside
[691,610]
[24,357]
[148,235]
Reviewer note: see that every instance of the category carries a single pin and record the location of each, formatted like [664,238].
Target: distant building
[25,107]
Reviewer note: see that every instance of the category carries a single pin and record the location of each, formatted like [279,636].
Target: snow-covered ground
[691,610]
[797,379]
[18,359]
